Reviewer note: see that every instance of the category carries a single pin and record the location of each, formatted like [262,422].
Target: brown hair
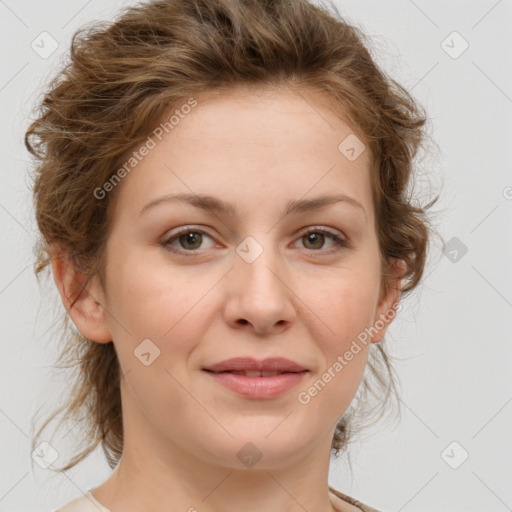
[122,76]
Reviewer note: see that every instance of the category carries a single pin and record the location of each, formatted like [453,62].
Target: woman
[222,196]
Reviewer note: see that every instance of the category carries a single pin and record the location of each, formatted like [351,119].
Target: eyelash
[340,242]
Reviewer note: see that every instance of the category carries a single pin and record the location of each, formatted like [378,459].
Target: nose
[259,297]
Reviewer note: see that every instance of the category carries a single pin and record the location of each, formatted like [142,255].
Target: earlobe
[388,304]
[84,308]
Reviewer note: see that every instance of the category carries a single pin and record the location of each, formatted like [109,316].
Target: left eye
[318,236]
[190,240]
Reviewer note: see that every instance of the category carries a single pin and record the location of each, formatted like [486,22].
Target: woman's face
[246,281]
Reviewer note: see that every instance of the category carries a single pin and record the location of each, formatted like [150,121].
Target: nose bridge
[258,266]
[257,292]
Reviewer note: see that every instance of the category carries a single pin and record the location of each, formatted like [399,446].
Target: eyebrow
[213,204]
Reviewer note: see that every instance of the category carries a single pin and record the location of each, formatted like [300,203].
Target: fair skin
[303,298]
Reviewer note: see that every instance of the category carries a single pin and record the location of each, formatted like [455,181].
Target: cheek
[156,303]
[356,306]
[344,307]
[170,308]
[342,313]
[154,397]
[150,299]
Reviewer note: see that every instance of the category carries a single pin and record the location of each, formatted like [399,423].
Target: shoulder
[356,503]
[82,504]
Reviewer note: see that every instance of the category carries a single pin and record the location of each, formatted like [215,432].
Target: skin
[302,298]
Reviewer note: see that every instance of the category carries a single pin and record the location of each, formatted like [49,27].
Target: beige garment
[88,503]
[352,501]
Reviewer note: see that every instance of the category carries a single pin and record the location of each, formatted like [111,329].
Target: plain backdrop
[452,449]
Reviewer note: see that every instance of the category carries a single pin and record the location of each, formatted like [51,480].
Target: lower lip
[258,387]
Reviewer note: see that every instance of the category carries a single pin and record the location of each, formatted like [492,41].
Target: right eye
[190,240]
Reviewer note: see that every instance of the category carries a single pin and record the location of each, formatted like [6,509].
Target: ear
[87,313]
[388,303]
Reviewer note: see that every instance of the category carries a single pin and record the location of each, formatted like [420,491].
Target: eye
[315,239]
[189,239]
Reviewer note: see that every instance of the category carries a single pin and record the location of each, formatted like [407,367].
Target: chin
[253,450]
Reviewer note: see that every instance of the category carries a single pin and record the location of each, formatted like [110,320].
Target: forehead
[253,146]
[271,115]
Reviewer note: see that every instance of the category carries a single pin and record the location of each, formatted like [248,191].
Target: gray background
[453,334]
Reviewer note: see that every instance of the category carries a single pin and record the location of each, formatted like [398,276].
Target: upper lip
[272,364]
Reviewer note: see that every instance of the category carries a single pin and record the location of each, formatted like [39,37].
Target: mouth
[258,384]
[252,367]
[254,373]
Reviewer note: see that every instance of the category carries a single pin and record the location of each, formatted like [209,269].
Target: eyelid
[322,229]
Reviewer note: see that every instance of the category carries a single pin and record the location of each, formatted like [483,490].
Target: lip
[258,387]
[262,387]
[271,364]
